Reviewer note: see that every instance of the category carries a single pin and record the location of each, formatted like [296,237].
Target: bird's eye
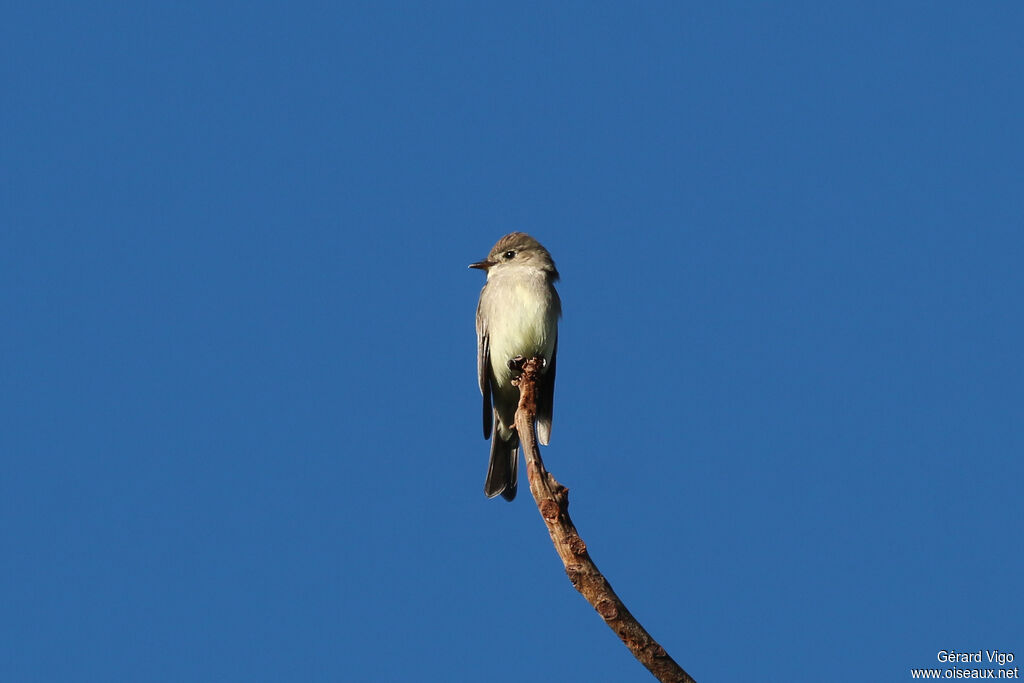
[510,254]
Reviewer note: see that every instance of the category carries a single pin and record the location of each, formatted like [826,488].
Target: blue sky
[240,422]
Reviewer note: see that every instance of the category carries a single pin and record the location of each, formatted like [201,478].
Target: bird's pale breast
[527,323]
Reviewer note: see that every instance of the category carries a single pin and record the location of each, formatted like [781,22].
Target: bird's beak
[482,265]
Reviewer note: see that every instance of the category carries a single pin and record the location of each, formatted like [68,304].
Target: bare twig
[553,502]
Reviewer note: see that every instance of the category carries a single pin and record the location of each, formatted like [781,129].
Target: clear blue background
[240,428]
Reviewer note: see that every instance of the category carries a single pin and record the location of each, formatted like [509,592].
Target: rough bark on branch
[553,502]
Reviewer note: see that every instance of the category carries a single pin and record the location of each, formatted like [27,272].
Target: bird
[516,319]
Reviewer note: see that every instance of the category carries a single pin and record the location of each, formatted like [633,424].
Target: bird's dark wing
[483,373]
[546,399]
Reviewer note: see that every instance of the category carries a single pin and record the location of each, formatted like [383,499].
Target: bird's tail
[502,472]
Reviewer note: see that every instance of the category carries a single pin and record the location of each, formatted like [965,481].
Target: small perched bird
[517,317]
